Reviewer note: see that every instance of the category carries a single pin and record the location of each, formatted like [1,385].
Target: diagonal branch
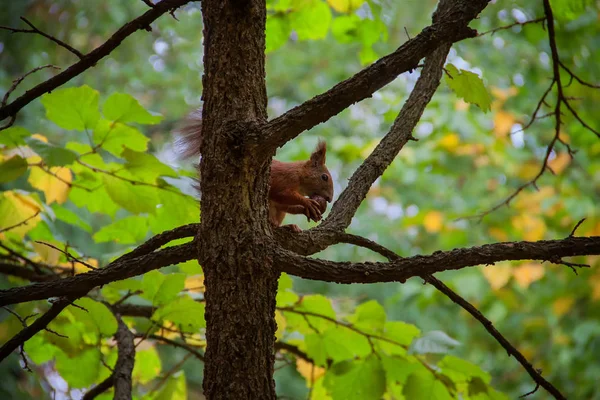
[400,133]
[90,59]
[405,268]
[27,333]
[450,25]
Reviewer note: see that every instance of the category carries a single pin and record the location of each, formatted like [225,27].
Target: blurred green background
[465,162]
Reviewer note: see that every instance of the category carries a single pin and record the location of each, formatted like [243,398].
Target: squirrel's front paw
[293,227]
[312,210]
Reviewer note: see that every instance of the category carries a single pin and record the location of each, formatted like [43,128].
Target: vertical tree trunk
[241,282]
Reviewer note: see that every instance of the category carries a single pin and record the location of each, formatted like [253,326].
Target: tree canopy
[500,172]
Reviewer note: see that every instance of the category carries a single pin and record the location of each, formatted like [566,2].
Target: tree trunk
[241,283]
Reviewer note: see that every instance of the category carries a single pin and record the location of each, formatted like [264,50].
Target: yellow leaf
[497,275]
[345,6]
[528,170]
[561,339]
[560,162]
[281,324]
[450,141]
[309,371]
[595,283]
[498,234]
[528,273]
[39,137]
[80,268]
[503,123]
[54,184]
[532,227]
[47,254]
[15,208]
[461,105]
[195,284]
[562,305]
[532,201]
[433,221]
[504,94]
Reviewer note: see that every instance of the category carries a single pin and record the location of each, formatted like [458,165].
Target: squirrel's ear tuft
[318,156]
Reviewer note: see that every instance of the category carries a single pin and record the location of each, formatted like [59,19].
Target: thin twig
[24,222]
[531,21]
[67,254]
[20,79]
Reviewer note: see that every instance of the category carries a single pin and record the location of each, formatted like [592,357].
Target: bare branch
[400,133]
[487,324]
[531,21]
[25,273]
[572,234]
[90,59]
[24,222]
[99,388]
[404,268]
[450,25]
[173,343]
[17,81]
[122,268]
[126,358]
[27,333]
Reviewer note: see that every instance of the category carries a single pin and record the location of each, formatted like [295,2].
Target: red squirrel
[290,182]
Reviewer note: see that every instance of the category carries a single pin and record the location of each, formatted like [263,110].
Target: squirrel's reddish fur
[290,182]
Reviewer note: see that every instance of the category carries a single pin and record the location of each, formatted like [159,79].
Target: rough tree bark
[241,282]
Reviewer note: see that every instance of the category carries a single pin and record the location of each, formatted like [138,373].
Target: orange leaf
[528,273]
[433,221]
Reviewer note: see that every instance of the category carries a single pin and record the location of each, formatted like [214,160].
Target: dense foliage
[91,167]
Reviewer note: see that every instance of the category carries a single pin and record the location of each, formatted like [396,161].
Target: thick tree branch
[404,268]
[99,388]
[122,268]
[89,60]
[450,25]
[25,273]
[126,358]
[400,133]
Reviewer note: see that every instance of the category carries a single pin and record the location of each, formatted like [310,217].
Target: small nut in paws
[322,202]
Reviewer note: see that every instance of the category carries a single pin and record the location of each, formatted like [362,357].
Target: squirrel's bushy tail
[189,135]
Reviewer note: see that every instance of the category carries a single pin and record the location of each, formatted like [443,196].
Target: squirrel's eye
[324,177]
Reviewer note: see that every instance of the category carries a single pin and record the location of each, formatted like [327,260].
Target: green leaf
[134,198]
[462,371]
[116,137]
[145,166]
[190,267]
[421,382]
[568,10]
[318,305]
[12,168]
[337,344]
[14,136]
[285,296]
[129,230]
[73,108]
[278,31]
[312,21]
[95,315]
[398,369]
[468,86]
[53,156]
[81,370]
[96,201]
[161,289]
[433,342]
[369,316]
[359,379]
[345,28]
[39,350]
[174,389]
[175,209]
[183,311]
[147,365]
[401,333]
[69,217]
[123,107]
